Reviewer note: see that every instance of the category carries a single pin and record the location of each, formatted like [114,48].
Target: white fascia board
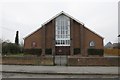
[62,12]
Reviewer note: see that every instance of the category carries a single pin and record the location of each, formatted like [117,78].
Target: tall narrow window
[62,31]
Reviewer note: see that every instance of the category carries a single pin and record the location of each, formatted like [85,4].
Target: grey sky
[26,16]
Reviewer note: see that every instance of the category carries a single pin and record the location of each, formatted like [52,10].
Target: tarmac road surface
[26,75]
[62,72]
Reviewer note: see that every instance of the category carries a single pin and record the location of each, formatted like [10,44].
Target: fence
[112,52]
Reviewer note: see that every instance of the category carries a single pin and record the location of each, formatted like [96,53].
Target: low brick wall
[28,60]
[72,61]
[93,61]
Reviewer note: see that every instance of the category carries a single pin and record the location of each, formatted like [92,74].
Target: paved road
[60,79]
[22,75]
[20,71]
[60,69]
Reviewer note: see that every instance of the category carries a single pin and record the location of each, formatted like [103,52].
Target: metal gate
[61,60]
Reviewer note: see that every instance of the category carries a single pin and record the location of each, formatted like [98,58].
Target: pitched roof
[62,12]
[109,45]
[116,44]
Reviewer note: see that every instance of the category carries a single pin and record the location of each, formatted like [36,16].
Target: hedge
[10,48]
[48,51]
[95,52]
[33,51]
[76,51]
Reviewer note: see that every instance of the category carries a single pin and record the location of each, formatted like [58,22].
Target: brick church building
[63,35]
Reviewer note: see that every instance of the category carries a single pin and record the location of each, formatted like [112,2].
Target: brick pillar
[43,39]
[71,36]
[82,40]
[53,42]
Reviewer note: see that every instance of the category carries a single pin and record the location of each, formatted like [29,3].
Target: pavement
[62,70]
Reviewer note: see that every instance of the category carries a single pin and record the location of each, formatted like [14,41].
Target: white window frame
[92,43]
[62,24]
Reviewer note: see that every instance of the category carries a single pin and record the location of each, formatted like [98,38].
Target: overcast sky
[101,16]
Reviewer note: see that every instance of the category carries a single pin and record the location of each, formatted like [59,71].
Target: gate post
[54,59]
[66,60]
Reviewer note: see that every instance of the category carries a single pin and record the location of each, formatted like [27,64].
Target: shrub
[33,51]
[76,50]
[95,52]
[48,51]
[10,48]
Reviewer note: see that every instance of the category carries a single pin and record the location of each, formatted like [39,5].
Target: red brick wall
[38,37]
[47,40]
[93,61]
[87,35]
[49,35]
[28,60]
[35,37]
[76,35]
[72,61]
[90,36]
[64,50]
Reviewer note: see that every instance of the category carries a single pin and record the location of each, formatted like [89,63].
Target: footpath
[62,70]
